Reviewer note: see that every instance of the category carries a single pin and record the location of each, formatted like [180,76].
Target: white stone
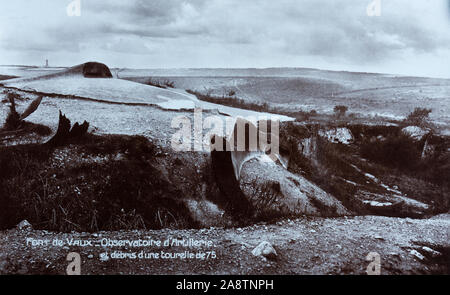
[24,224]
[415,132]
[338,135]
[432,252]
[104,257]
[265,249]
[417,255]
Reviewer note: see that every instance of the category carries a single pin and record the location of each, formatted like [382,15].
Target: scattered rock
[104,257]
[24,225]
[377,204]
[433,253]
[415,132]
[371,177]
[119,157]
[395,254]
[244,245]
[338,135]
[416,254]
[265,249]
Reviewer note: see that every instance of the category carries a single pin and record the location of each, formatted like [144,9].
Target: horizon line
[239,68]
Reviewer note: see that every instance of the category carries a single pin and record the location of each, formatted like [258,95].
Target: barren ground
[304,246]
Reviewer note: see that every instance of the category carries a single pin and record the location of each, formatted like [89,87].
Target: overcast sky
[410,37]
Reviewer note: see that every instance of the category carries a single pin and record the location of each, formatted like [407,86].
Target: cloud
[258,33]
[127,45]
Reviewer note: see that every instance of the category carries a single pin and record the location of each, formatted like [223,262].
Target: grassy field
[368,94]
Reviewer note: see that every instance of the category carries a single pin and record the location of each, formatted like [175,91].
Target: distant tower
[46,63]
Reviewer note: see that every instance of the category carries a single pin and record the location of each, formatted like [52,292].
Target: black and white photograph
[224,137]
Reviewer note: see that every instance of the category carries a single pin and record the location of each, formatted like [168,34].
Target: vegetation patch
[164,84]
[394,159]
[232,101]
[6,77]
[121,191]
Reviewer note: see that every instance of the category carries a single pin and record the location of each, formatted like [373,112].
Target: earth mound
[92,70]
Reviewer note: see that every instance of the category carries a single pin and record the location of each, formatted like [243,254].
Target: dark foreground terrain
[303,246]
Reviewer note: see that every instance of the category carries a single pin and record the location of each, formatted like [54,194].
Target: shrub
[231,93]
[340,110]
[113,194]
[232,102]
[419,117]
[398,151]
[160,84]
[264,200]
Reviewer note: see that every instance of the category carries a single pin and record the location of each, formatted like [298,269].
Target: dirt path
[304,246]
